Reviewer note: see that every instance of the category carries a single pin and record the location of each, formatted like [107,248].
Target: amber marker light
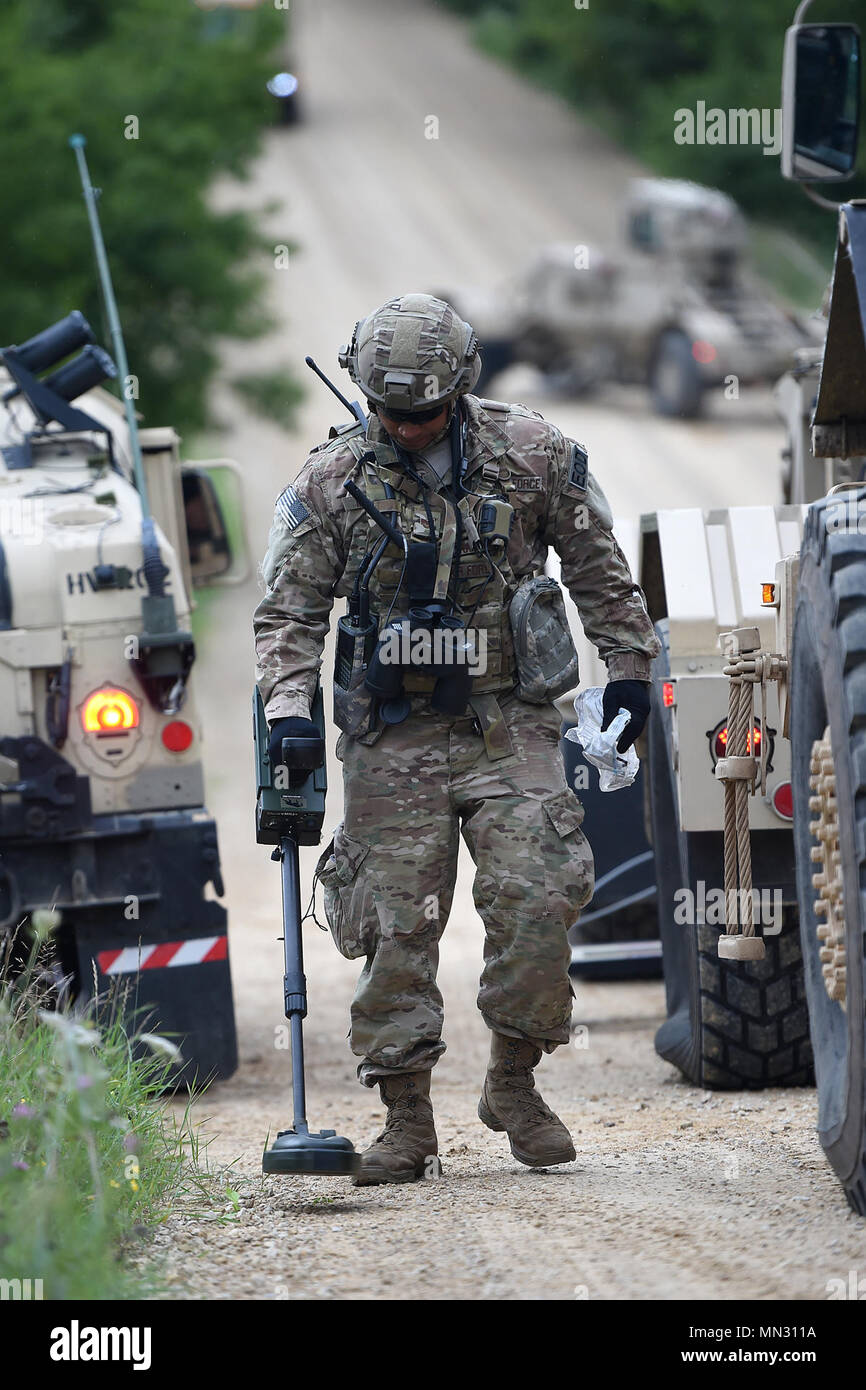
[109,712]
[720,744]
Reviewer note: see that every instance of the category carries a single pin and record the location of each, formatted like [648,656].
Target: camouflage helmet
[412,353]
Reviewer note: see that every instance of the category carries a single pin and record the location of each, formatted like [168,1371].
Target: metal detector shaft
[294,981]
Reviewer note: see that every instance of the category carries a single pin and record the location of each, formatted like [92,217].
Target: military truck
[806,477]
[678,309]
[761,686]
[103,823]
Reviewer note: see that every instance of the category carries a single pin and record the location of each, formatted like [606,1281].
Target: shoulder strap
[361,448]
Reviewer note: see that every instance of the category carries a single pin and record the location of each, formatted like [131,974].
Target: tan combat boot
[510,1102]
[408,1141]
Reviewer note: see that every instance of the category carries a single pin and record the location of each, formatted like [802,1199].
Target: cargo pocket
[349,899]
[568,867]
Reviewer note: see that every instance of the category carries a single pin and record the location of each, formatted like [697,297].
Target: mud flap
[161,950]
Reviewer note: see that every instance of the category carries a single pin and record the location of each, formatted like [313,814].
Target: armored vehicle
[677,308]
[104,832]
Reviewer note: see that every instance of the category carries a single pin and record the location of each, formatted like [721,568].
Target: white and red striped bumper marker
[130,959]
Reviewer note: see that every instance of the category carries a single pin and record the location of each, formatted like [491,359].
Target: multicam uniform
[494,774]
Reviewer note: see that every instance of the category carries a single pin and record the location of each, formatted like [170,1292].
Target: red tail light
[177,736]
[783,801]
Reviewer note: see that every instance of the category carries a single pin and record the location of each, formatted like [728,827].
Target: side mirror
[215,522]
[820,102]
[206,532]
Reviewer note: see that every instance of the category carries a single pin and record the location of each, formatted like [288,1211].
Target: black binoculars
[398,650]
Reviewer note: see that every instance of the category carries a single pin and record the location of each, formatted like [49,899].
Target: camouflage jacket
[320,534]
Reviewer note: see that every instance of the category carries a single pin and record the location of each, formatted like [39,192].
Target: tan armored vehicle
[102,810]
[677,308]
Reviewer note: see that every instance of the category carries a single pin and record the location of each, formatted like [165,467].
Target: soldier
[477,490]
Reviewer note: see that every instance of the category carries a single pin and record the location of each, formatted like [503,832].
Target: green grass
[91,1159]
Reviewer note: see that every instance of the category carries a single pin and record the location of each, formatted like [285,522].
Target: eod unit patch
[579,467]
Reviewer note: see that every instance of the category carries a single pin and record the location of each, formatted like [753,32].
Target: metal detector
[290,811]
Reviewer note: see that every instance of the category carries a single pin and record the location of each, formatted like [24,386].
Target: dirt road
[676,1193]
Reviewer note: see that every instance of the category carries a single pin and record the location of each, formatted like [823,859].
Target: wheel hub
[829,902]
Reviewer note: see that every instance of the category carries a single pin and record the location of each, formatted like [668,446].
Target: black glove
[288,728]
[633,696]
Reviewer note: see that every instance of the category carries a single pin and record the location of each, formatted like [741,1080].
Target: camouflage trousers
[388,878]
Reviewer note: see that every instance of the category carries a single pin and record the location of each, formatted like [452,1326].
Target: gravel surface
[676,1193]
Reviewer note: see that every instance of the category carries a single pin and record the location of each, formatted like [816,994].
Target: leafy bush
[168,96]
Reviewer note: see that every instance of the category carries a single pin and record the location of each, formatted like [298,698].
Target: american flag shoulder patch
[291,508]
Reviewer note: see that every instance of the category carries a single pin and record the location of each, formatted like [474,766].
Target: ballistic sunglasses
[417,417]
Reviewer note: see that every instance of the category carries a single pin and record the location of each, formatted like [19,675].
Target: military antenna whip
[354,408]
[165,653]
[90,194]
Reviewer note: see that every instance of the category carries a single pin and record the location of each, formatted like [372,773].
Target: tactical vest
[473,581]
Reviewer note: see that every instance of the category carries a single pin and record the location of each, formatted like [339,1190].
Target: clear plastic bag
[615,769]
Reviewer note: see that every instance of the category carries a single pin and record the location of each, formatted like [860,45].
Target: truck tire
[674,377]
[828,688]
[731,1025]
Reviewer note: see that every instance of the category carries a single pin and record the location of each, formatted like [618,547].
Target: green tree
[631,65]
[168,96]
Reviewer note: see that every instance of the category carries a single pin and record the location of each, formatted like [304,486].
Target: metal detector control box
[281,810]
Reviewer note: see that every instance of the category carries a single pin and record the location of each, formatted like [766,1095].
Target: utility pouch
[421,571]
[353,702]
[352,641]
[495,519]
[544,649]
